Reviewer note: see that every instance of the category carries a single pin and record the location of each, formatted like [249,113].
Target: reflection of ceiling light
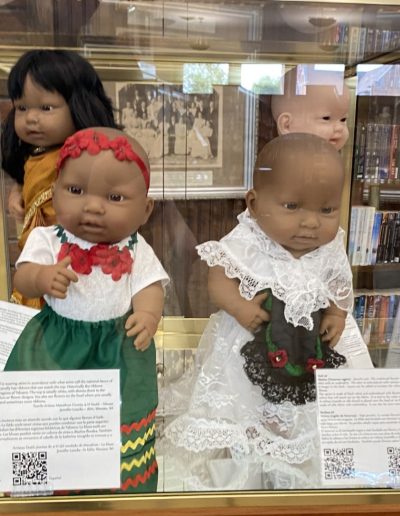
[319,21]
[329,48]
[200,44]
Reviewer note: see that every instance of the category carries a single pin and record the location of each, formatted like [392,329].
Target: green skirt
[52,342]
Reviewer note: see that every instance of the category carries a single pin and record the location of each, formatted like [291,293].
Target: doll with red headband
[102,284]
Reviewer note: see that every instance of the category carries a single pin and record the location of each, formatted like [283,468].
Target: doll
[322,110]
[54,93]
[283,284]
[102,284]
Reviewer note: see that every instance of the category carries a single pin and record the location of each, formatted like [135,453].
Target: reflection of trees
[200,77]
[270,84]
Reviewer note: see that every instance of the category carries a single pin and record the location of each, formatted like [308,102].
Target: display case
[374,194]
[193,82]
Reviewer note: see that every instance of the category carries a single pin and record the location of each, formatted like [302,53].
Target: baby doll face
[322,111]
[299,208]
[100,199]
[42,117]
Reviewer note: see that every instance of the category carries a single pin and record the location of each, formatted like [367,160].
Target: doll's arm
[35,280]
[147,307]
[224,293]
[332,324]
[16,203]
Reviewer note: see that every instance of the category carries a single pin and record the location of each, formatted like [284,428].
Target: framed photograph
[192,139]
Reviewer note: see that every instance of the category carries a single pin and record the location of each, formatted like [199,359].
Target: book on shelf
[352,233]
[354,37]
[387,236]
[366,41]
[371,165]
[393,153]
[375,237]
[369,47]
[396,244]
[375,313]
[362,41]
[382,318]
[383,236]
[383,150]
[377,152]
[358,213]
[366,235]
[360,234]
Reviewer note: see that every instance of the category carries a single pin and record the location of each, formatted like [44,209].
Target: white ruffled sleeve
[306,284]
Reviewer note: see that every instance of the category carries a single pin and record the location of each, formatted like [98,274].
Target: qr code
[29,468]
[339,463]
[393,453]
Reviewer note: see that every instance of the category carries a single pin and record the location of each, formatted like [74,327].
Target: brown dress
[40,174]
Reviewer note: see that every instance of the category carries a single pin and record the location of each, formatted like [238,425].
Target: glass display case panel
[211,69]
[373,234]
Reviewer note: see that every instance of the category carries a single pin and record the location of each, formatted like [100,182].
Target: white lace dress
[229,435]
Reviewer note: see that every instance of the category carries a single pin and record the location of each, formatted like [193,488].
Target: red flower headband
[94,142]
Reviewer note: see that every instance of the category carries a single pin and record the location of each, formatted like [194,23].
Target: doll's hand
[250,314]
[331,328]
[16,203]
[54,280]
[141,325]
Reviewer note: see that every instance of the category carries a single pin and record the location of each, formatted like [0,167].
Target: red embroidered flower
[99,253]
[111,259]
[118,263]
[278,358]
[80,258]
[71,149]
[314,363]
[95,142]
[122,149]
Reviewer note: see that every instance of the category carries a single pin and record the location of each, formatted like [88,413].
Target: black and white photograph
[177,130]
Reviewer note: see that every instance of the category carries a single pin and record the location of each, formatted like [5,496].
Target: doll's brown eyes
[75,190]
[290,206]
[116,197]
[326,211]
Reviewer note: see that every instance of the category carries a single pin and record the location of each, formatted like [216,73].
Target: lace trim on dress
[199,435]
[305,285]
[276,387]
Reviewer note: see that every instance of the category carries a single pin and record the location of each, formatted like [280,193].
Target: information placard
[359,419]
[59,430]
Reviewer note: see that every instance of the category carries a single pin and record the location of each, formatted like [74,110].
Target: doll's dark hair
[66,73]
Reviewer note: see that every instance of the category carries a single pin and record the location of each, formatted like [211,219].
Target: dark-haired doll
[54,93]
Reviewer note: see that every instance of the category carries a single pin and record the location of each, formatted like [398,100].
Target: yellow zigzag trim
[136,463]
[139,440]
